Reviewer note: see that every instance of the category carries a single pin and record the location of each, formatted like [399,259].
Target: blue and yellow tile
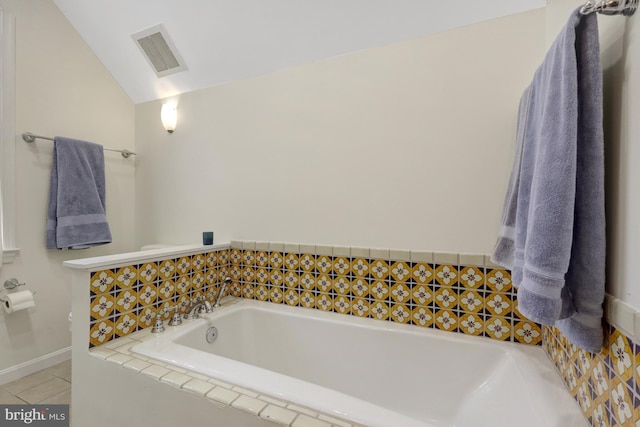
[197,281]
[248,274]
[360,307]
[262,276]
[291,297]
[400,292]
[262,259]
[360,287]
[126,324]
[248,258]
[446,298]
[422,316]
[446,320]
[499,280]
[324,283]
[102,281]
[341,304]
[147,316]
[446,275]
[262,293]
[183,285]
[621,354]
[470,301]
[147,294]
[197,262]
[379,290]
[471,324]
[498,328]
[291,262]
[126,300]
[101,332]
[400,271]
[102,306]
[622,403]
[166,289]
[211,259]
[527,333]
[498,304]
[126,277]
[400,313]
[472,277]
[276,260]
[341,266]
[223,257]
[291,279]
[379,310]
[276,278]
[307,300]
[235,256]
[148,272]
[341,285]
[308,281]
[422,273]
[360,267]
[379,269]
[166,269]
[307,262]
[421,295]
[183,265]
[324,264]
[248,291]
[276,295]
[324,302]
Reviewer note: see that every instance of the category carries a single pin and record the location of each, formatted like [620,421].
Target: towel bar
[611,7]
[31,137]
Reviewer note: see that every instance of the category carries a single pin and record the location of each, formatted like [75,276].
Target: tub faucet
[226,281]
[197,307]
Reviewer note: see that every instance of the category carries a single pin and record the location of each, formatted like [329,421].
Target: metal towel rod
[611,7]
[31,137]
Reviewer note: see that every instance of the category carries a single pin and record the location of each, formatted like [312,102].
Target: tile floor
[49,386]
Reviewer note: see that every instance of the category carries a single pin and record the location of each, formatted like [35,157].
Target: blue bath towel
[76,215]
[552,233]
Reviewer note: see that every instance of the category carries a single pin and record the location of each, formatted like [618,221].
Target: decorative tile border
[266,407]
[126,299]
[452,292]
[461,293]
[605,385]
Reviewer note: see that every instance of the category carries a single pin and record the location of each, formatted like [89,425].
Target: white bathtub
[379,374]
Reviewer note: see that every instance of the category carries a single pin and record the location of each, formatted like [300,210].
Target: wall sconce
[169,116]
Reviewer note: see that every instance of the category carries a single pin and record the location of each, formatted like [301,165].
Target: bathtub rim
[534,363]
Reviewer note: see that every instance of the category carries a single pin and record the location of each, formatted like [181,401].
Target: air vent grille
[157,48]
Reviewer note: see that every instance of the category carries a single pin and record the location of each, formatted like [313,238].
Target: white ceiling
[225,40]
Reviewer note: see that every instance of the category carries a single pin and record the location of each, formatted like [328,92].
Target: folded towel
[76,215]
[552,232]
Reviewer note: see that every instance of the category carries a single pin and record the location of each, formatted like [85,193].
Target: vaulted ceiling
[226,40]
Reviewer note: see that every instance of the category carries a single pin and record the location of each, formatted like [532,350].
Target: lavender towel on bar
[76,215]
[552,232]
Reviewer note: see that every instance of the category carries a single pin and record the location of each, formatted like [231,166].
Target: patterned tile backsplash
[457,293]
[417,288]
[605,385]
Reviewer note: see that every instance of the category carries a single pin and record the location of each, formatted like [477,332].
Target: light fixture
[169,116]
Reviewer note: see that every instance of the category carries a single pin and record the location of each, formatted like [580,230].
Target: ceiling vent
[158,49]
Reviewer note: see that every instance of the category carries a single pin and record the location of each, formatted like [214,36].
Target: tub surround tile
[445,258]
[306,421]
[249,404]
[197,386]
[136,364]
[222,395]
[476,260]
[277,414]
[399,255]
[155,371]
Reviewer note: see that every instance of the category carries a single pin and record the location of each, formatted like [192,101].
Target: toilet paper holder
[9,285]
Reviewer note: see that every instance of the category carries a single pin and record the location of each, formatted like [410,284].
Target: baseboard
[29,367]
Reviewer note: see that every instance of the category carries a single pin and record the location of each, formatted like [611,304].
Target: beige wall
[61,89]
[405,146]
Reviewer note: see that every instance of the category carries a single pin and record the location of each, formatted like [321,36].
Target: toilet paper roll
[18,301]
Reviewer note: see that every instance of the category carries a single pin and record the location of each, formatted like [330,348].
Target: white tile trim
[623,316]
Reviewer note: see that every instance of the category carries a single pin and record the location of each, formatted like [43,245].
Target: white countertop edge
[140,256]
